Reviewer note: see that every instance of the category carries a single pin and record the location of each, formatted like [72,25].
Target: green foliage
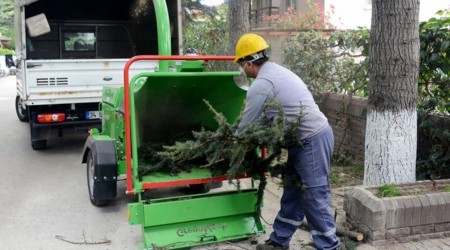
[347,243]
[6,52]
[6,14]
[7,20]
[420,191]
[446,189]
[207,33]
[227,152]
[434,78]
[336,63]
[434,96]
[330,63]
[358,168]
[389,190]
[315,18]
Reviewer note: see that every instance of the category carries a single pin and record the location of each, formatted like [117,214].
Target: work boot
[271,245]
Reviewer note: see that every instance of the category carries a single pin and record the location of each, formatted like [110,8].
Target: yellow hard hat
[249,44]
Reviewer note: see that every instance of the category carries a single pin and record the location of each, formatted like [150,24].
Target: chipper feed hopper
[159,107]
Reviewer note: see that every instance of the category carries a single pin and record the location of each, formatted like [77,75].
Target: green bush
[209,34]
[335,62]
[389,190]
[338,62]
[434,97]
[6,52]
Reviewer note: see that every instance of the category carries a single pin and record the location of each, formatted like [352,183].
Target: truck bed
[74,80]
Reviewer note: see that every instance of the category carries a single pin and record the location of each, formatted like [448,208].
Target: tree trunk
[239,22]
[391,131]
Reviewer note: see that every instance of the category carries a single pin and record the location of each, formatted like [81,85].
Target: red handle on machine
[126,79]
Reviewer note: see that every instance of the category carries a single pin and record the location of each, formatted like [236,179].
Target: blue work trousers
[310,164]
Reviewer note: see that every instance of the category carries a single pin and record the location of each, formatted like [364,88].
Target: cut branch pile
[225,151]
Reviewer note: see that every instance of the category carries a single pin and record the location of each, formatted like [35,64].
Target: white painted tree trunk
[391,130]
[391,146]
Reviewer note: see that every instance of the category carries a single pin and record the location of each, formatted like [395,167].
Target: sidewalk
[302,239]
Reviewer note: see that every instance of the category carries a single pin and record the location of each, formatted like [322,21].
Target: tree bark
[239,22]
[391,130]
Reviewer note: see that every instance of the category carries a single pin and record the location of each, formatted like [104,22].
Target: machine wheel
[39,144]
[22,113]
[200,188]
[90,166]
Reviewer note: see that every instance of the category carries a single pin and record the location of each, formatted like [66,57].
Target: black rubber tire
[22,114]
[90,170]
[39,144]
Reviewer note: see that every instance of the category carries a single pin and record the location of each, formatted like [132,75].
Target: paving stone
[363,199]
[408,239]
[441,208]
[433,208]
[422,229]
[432,236]
[441,183]
[442,227]
[425,209]
[398,233]
[356,206]
[400,212]
[417,210]
[374,213]
[379,235]
[379,244]
[409,210]
[447,208]
[390,207]
[348,200]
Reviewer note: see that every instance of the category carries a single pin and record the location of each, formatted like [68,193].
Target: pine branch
[224,151]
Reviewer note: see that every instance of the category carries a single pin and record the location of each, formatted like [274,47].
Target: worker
[308,160]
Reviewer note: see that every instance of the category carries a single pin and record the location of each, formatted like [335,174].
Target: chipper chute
[165,106]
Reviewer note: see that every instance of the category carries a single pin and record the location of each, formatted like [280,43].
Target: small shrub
[446,189]
[6,52]
[358,168]
[389,190]
[420,191]
[347,243]
[334,180]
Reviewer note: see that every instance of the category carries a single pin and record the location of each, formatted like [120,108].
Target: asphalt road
[44,198]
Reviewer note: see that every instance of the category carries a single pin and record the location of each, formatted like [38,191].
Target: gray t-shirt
[275,81]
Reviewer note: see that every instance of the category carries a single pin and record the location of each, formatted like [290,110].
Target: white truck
[67,51]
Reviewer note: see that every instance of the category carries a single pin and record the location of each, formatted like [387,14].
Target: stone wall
[423,214]
[347,117]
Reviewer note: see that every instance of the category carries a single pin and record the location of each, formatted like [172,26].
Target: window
[78,41]
[291,3]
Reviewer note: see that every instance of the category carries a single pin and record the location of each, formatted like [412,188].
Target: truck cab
[67,51]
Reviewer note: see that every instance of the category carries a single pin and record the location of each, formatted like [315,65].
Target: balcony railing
[256,17]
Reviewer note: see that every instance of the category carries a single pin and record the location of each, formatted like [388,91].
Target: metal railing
[256,17]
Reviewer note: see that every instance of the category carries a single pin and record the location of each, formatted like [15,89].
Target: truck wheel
[90,165]
[22,113]
[39,144]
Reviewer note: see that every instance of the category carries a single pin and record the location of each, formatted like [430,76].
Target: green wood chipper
[157,107]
